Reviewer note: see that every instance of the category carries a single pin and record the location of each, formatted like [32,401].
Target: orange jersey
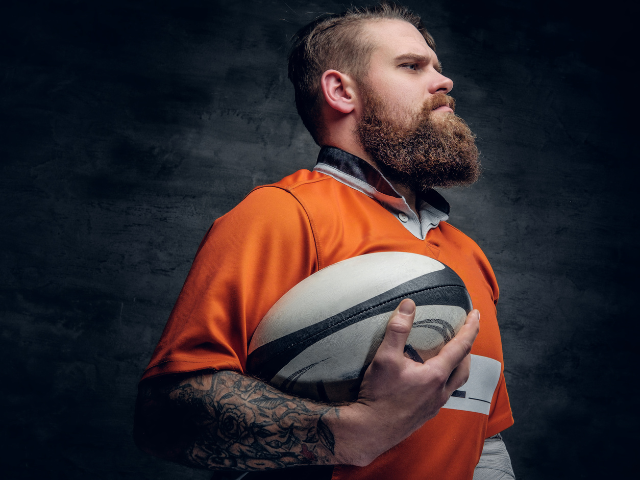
[278,236]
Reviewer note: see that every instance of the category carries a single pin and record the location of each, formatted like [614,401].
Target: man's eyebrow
[414,57]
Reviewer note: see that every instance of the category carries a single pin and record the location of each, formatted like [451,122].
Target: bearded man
[370,90]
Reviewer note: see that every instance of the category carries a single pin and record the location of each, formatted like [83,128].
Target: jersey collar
[360,175]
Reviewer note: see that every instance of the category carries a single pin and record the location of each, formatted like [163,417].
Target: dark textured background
[127,127]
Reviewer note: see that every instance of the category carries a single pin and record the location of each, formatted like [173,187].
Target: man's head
[369,81]
[337,42]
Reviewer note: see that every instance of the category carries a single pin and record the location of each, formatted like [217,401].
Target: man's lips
[444,108]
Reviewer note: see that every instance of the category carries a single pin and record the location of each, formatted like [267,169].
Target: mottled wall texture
[128,127]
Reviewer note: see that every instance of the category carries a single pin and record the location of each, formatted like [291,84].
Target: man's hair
[335,41]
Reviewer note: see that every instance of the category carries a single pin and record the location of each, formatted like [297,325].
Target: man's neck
[408,194]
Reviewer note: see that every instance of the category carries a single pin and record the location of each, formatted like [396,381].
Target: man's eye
[410,66]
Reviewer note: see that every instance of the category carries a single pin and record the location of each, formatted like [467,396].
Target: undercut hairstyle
[336,42]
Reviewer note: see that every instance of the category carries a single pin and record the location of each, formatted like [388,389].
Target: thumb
[399,326]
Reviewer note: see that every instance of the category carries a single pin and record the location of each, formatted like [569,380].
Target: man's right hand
[398,395]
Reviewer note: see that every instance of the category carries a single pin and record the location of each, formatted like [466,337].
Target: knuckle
[460,378]
[439,375]
[398,326]
[382,361]
[377,363]
[465,345]
[435,407]
[433,413]
[458,381]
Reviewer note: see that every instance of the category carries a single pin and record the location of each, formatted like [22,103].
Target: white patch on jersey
[476,394]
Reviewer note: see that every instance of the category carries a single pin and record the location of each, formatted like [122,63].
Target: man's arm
[228,420]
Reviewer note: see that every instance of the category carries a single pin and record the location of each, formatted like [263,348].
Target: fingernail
[407,307]
[478,314]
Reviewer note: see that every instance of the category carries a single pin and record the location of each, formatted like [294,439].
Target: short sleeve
[249,258]
[500,416]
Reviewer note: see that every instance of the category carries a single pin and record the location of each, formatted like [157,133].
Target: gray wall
[127,127]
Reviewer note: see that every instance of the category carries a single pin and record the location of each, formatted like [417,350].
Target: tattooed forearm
[227,420]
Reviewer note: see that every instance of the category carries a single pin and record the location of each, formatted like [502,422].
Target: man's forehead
[394,38]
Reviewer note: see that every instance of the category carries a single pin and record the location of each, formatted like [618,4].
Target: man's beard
[429,150]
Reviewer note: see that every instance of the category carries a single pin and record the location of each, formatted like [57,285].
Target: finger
[454,352]
[399,327]
[459,376]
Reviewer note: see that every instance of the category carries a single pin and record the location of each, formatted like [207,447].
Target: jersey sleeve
[500,416]
[249,258]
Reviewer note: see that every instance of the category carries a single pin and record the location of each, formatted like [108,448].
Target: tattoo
[227,420]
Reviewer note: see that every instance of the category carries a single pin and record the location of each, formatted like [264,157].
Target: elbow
[166,425]
[151,432]
[141,435]
[145,444]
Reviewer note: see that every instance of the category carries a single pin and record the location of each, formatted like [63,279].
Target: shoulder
[304,190]
[270,199]
[300,181]
[456,235]
[286,191]
[268,215]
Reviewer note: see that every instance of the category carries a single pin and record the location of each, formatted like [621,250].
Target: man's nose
[441,84]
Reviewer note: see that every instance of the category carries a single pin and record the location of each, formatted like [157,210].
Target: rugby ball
[319,338]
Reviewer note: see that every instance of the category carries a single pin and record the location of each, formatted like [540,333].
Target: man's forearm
[227,420]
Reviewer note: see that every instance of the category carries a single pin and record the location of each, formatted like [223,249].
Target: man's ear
[338,91]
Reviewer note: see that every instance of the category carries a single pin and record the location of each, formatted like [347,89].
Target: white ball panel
[339,287]
[338,359]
